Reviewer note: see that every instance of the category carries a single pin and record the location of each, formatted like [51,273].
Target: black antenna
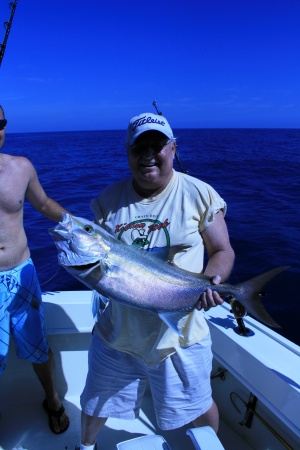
[176,154]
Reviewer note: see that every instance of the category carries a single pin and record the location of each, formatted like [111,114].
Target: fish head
[79,241]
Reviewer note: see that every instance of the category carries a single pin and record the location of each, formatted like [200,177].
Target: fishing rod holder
[220,373]
[239,311]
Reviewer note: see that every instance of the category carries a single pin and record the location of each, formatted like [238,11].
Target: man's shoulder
[114,187]
[190,181]
[198,189]
[110,192]
[13,159]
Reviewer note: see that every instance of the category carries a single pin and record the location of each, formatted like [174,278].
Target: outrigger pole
[7,26]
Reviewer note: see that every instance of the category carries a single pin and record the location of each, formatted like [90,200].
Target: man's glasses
[3,123]
[143,147]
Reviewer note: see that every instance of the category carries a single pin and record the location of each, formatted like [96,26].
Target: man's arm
[220,259]
[36,195]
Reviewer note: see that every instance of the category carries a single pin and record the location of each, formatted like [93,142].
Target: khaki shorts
[180,385]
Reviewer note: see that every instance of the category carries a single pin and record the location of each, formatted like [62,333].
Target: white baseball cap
[147,122]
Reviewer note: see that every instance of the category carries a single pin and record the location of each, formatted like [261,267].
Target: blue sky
[76,65]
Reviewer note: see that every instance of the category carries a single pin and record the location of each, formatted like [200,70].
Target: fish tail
[250,295]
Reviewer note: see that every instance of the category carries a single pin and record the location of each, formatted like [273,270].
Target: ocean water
[256,171]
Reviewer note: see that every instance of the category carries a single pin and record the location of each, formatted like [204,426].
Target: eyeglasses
[3,123]
[157,147]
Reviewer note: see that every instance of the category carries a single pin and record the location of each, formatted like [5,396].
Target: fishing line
[50,279]
[176,153]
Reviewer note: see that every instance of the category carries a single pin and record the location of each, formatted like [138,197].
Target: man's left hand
[209,298]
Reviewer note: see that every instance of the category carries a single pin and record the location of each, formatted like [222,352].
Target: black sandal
[51,413]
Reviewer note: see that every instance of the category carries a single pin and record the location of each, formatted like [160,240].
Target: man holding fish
[21,308]
[161,211]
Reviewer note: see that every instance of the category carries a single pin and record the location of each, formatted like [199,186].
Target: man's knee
[210,418]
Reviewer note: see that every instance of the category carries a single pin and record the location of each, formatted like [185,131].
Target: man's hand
[209,298]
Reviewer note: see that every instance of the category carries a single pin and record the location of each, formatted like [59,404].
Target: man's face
[2,129]
[150,160]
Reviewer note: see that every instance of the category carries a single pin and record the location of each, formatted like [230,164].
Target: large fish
[132,276]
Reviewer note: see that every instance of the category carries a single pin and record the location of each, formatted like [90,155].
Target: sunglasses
[3,123]
[156,147]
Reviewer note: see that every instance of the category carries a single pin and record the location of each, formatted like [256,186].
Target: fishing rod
[155,106]
[7,26]
[176,153]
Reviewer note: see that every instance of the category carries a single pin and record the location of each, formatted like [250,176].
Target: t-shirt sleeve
[210,203]
[95,207]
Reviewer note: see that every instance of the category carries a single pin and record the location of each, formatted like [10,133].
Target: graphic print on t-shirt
[143,232]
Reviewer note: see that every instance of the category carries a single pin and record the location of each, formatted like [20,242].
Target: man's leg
[90,427]
[45,374]
[115,383]
[210,418]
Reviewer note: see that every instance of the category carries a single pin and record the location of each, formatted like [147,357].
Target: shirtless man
[21,309]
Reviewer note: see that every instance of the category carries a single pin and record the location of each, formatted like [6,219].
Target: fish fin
[174,250]
[251,293]
[99,303]
[173,318]
[160,253]
[166,253]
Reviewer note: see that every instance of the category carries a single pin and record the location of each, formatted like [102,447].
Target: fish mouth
[75,261]
[82,269]
[57,236]
[84,266]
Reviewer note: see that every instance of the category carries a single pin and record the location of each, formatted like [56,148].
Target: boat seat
[204,438]
[148,442]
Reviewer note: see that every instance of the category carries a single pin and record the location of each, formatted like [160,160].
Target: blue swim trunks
[22,315]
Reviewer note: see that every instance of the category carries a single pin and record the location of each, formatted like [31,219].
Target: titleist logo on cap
[145,119]
[147,122]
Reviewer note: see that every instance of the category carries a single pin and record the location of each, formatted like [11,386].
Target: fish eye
[88,228]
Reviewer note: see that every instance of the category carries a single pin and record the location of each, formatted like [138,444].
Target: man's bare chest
[12,193]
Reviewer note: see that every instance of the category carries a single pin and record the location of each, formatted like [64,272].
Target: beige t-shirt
[171,221]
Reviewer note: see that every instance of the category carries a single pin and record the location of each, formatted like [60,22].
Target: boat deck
[23,421]
[24,424]
[264,364]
